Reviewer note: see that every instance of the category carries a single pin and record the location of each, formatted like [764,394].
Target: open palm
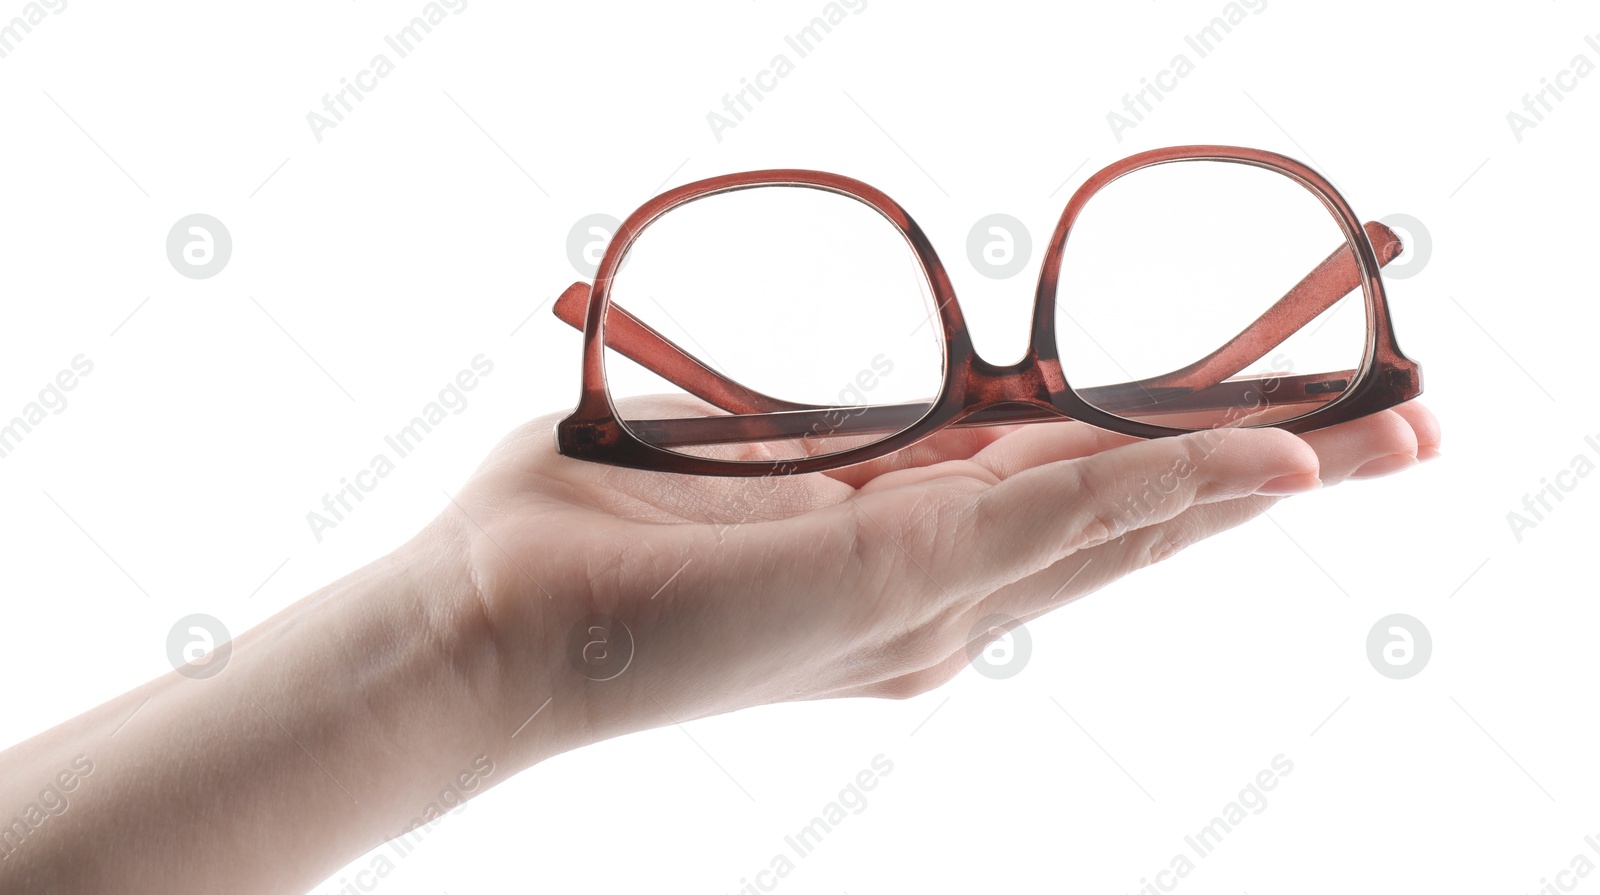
[875,580]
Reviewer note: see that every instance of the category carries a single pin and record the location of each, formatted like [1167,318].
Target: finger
[1370,446]
[1426,425]
[1341,451]
[1076,576]
[1005,451]
[948,444]
[1024,447]
[1087,571]
[1035,518]
[1043,443]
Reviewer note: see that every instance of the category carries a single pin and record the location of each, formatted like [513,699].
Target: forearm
[332,728]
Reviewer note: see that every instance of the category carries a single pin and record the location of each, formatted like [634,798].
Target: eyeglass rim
[594,430]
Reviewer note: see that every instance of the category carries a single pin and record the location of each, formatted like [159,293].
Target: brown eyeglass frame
[976,392]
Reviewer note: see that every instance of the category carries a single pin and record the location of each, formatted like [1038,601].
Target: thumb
[1034,518]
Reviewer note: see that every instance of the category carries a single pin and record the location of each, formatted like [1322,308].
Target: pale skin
[338,720]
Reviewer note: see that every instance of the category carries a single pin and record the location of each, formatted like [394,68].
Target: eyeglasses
[1187,288]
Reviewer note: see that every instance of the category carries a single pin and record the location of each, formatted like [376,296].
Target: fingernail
[1384,466]
[1427,452]
[1284,485]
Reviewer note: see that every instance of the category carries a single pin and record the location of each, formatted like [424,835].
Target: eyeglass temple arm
[1337,276]
[1201,385]
[639,342]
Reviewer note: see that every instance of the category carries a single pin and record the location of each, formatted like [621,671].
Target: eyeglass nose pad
[1011,412]
[1020,383]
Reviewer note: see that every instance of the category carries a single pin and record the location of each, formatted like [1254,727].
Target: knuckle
[916,651]
[900,688]
[1098,527]
[916,683]
[1097,518]
[872,553]
[913,656]
[1162,542]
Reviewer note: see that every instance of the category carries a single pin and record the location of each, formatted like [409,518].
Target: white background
[369,267]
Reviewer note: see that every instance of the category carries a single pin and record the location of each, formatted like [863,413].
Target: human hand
[338,721]
[871,581]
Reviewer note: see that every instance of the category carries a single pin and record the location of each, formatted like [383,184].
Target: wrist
[431,678]
[493,637]
[379,677]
